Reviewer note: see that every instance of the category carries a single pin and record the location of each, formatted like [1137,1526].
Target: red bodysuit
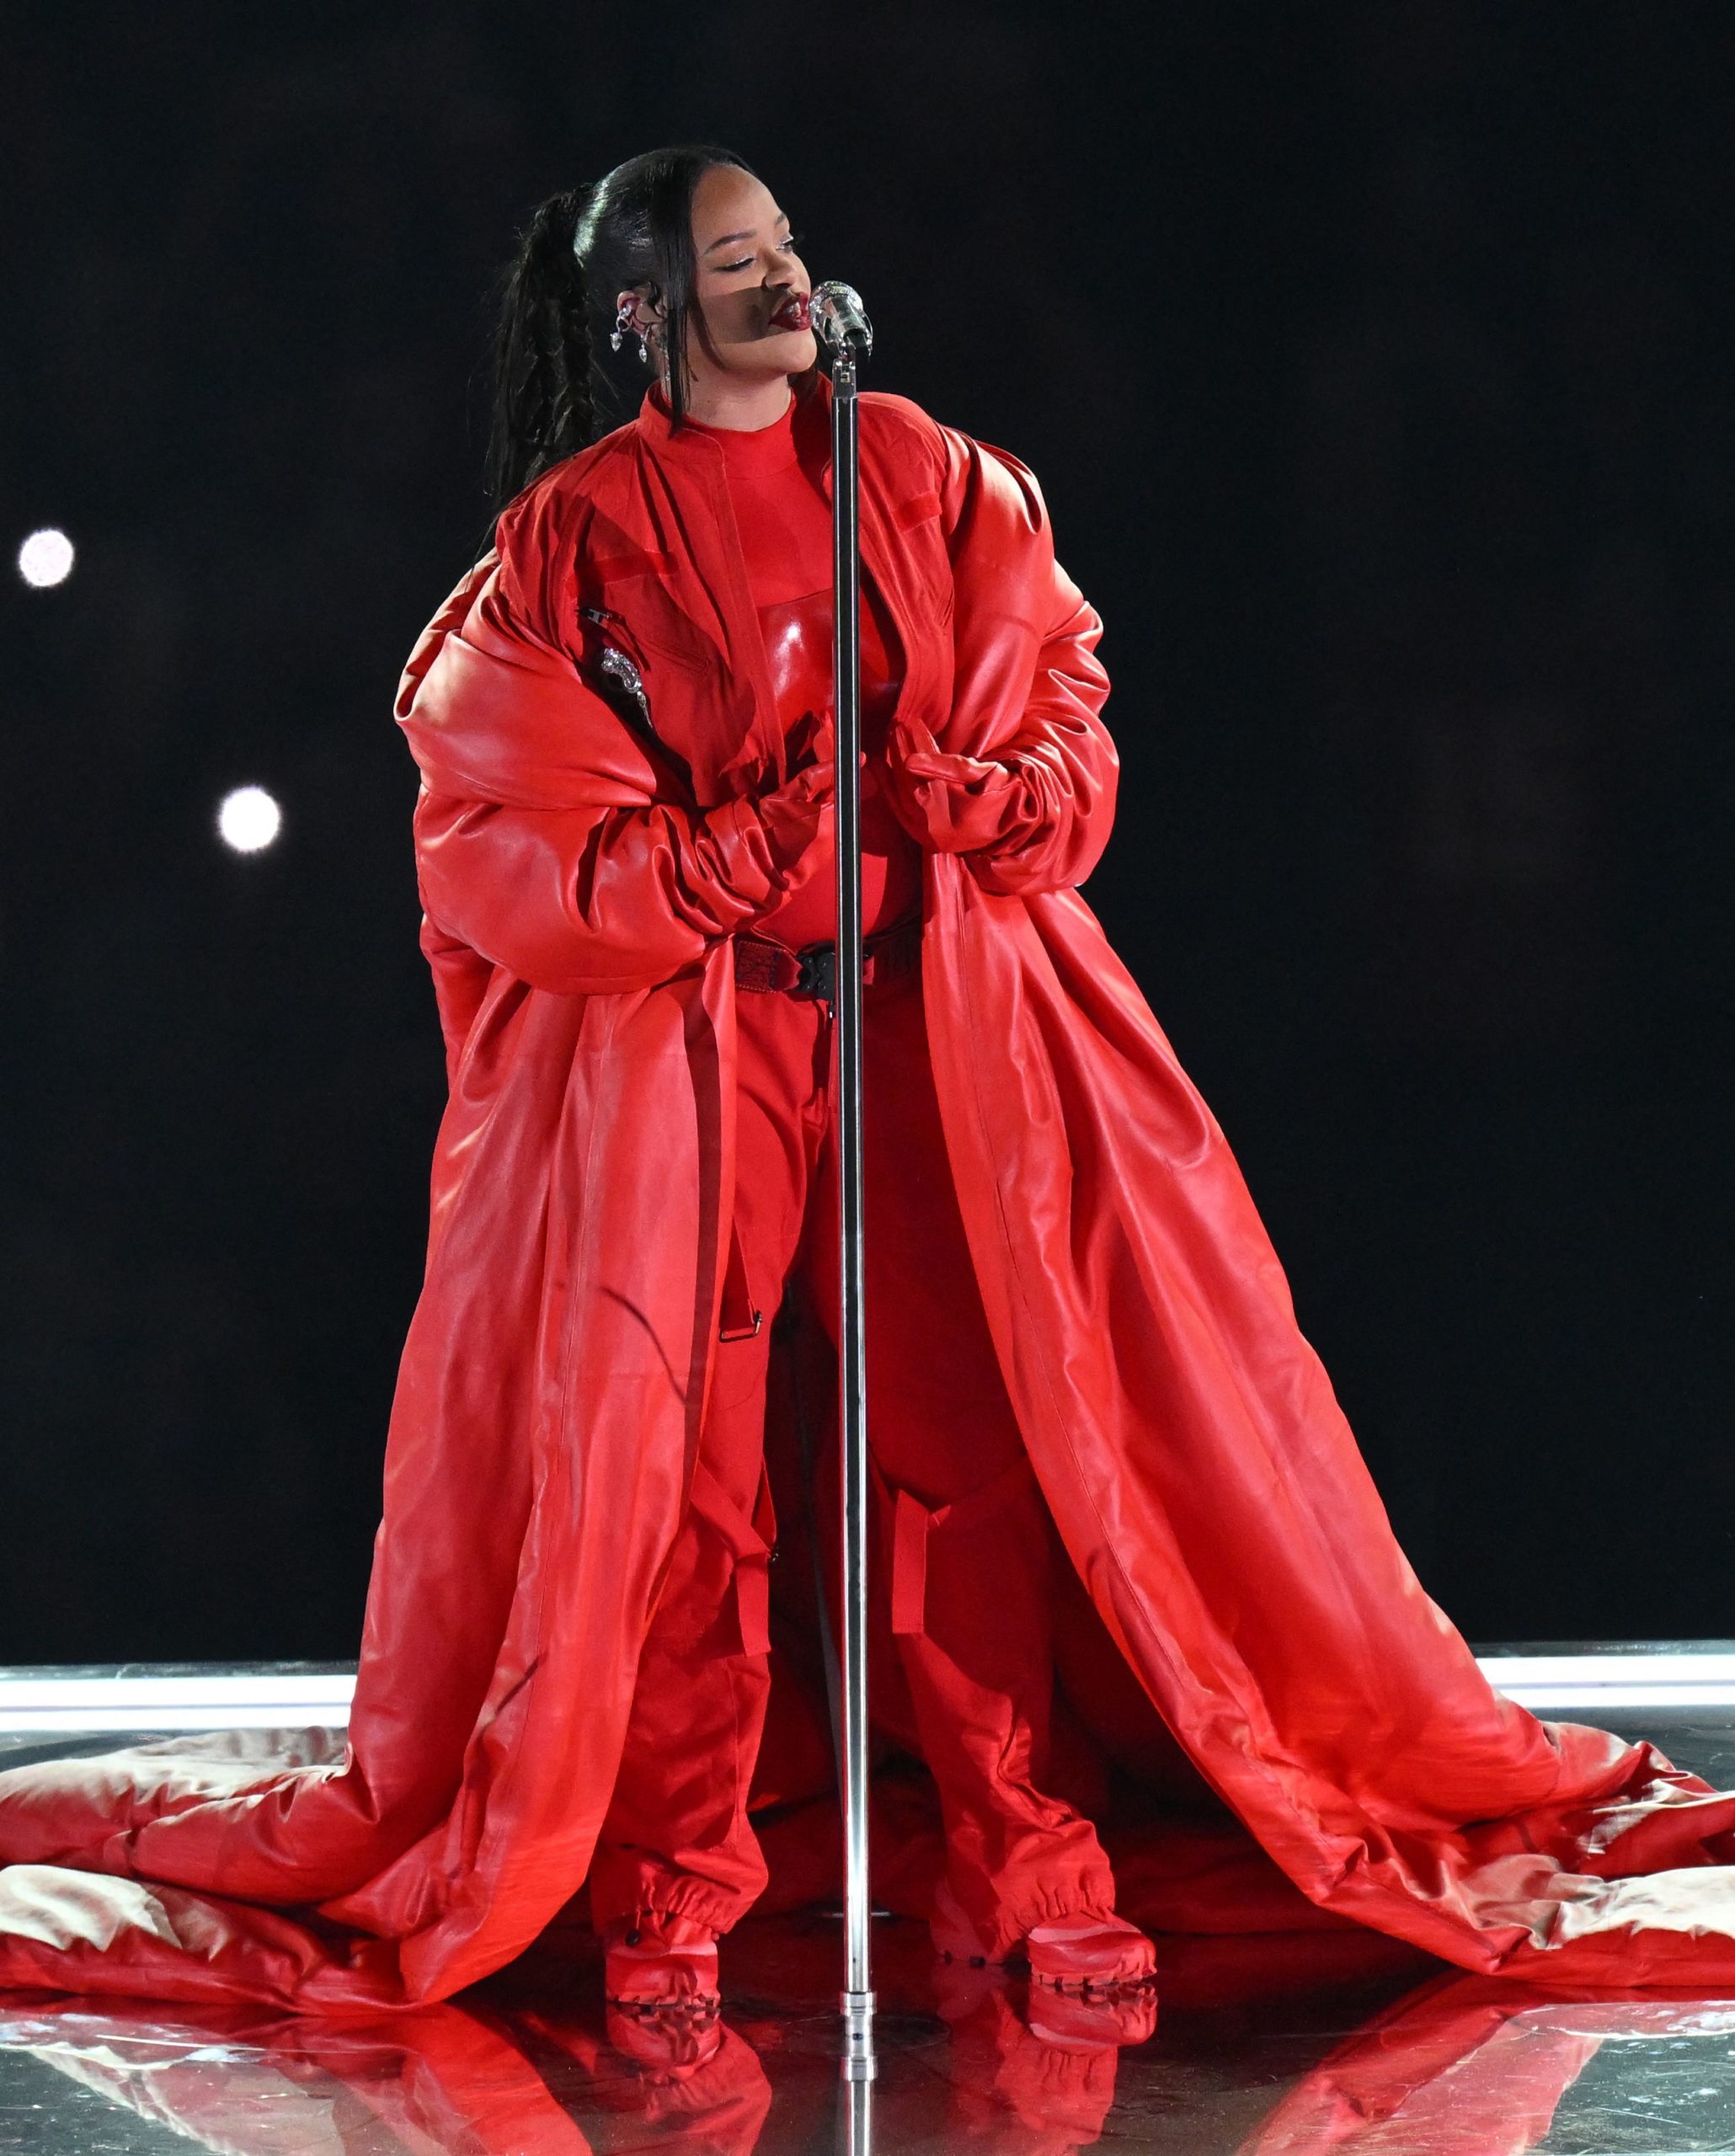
[784,522]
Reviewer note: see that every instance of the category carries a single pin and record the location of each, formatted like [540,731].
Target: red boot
[657,1962]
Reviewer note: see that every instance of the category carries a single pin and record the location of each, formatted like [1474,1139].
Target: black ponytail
[631,231]
[544,396]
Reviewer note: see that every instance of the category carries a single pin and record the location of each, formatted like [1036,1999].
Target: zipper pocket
[621,630]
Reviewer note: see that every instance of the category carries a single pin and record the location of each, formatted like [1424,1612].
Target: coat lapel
[738,747]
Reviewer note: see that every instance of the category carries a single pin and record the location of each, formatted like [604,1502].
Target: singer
[1101,1445]
[723,484]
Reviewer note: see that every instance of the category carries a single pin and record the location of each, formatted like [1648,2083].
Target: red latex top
[783,520]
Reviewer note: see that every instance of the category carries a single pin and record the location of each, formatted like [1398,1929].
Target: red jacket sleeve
[1024,784]
[544,838]
[582,900]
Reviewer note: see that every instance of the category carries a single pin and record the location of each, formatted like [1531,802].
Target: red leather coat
[580,875]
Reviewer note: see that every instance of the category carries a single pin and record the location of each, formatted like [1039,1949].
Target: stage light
[250,818]
[209,1700]
[1572,1687]
[45,559]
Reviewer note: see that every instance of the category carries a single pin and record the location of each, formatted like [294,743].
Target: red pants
[959,1510]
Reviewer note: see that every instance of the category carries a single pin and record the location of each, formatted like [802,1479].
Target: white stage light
[250,818]
[1566,1686]
[45,559]
[1569,1687]
[209,1700]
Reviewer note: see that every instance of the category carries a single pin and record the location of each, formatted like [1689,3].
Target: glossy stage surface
[1279,2043]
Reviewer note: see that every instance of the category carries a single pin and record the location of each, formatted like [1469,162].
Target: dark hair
[579,249]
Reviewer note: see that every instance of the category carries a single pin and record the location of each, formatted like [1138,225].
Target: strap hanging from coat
[750,1540]
[911,1522]
[737,1319]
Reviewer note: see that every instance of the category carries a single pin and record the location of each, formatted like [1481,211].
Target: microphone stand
[839,321]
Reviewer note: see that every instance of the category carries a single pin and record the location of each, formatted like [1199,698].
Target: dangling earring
[644,346]
[624,322]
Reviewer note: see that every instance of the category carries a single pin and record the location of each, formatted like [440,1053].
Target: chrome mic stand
[840,321]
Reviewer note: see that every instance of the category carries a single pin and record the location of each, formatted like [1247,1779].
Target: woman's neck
[738,405]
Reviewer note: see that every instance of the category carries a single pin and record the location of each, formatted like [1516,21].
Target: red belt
[763,965]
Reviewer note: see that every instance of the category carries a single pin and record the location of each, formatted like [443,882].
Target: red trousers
[959,1511]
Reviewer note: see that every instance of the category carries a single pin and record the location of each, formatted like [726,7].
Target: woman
[1076,1322]
[698,266]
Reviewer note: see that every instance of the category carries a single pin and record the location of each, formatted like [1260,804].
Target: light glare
[1662,1683]
[45,559]
[248,819]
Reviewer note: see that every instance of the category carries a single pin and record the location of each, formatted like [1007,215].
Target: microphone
[838,318]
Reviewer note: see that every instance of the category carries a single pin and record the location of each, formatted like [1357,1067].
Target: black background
[1375,361]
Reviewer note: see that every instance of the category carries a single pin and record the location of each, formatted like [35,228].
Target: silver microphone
[839,319]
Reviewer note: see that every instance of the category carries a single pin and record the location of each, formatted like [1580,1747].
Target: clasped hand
[952,804]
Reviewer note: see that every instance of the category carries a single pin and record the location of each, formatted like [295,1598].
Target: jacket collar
[655,428]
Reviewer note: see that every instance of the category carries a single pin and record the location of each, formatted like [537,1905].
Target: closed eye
[784,247]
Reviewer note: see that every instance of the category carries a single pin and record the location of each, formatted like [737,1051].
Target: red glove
[801,810]
[954,805]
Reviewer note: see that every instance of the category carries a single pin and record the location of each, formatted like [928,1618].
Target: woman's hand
[955,804]
[795,814]
[808,796]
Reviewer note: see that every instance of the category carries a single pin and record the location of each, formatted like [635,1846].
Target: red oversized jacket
[581,871]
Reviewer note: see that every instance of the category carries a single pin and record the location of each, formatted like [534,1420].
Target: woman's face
[750,284]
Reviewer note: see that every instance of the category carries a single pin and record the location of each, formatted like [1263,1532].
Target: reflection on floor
[1270,2045]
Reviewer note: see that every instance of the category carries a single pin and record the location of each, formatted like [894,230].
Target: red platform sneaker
[659,1963]
[1079,1955]
[1092,1954]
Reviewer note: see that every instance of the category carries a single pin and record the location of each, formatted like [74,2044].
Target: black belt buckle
[816,973]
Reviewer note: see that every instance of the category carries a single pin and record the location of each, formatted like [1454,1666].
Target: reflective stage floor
[1268,2044]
